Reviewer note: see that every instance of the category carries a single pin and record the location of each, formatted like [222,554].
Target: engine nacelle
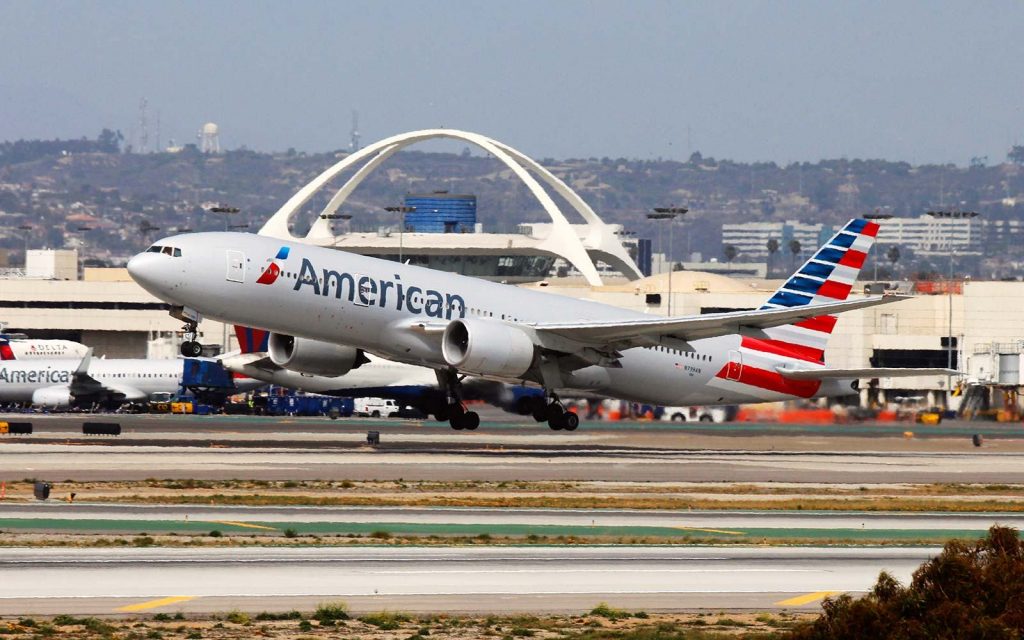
[313,356]
[52,397]
[487,347]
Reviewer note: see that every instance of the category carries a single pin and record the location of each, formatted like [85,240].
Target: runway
[465,579]
[114,461]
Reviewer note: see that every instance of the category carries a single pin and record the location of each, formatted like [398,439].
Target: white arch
[563,240]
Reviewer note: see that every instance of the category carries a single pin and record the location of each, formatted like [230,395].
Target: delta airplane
[65,382]
[16,347]
[333,306]
[262,359]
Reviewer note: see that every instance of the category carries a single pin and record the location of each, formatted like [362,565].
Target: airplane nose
[144,269]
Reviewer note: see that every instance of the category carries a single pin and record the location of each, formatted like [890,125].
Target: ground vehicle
[696,414]
[376,407]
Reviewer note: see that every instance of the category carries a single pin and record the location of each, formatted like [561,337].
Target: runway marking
[153,604]
[245,525]
[724,531]
[807,598]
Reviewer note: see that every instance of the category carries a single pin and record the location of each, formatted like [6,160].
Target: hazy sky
[935,81]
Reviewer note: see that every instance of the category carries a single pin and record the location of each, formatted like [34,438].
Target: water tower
[209,138]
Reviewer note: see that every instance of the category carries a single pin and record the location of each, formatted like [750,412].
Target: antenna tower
[354,144]
[143,127]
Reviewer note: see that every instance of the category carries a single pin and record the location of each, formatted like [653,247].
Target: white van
[696,414]
[375,407]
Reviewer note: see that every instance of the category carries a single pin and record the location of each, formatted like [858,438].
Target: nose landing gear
[190,348]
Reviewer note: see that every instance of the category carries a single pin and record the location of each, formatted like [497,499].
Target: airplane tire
[191,349]
[470,420]
[554,411]
[570,421]
[557,423]
[456,422]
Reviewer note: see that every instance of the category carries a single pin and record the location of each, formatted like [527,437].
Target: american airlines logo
[273,270]
[34,375]
[366,291]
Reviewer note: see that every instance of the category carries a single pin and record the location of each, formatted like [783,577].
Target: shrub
[291,533]
[609,613]
[237,617]
[216,533]
[331,612]
[385,620]
[970,590]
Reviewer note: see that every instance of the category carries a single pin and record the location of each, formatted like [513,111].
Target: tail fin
[827,277]
[251,340]
[6,353]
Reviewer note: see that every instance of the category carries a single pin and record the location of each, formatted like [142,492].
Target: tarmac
[453,579]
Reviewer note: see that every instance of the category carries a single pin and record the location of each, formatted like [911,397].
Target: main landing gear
[190,348]
[455,411]
[551,410]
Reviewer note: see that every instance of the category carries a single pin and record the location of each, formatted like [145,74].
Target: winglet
[83,366]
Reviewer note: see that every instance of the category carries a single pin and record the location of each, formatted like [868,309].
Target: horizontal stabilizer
[868,372]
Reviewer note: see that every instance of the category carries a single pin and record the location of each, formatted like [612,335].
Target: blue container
[441,213]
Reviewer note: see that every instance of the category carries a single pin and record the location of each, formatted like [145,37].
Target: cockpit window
[154,249]
[177,252]
[168,251]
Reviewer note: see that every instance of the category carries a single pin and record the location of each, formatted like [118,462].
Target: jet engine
[313,356]
[487,347]
[52,397]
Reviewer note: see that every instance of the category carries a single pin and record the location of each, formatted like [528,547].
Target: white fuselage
[32,349]
[136,379]
[388,309]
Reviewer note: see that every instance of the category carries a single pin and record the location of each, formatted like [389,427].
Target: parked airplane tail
[251,340]
[6,353]
[828,276]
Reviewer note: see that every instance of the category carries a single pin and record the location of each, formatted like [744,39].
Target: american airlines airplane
[334,306]
[65,382]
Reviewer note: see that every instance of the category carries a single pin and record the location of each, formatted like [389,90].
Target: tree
[893,254]
[773,248]
[970,590]
[730,252]
[1016,155]
[794,248]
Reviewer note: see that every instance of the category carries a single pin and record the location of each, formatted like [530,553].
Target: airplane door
[236,266]
[735,366]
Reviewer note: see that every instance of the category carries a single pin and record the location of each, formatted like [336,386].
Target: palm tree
[794,248]
[730,252]
[773,248]
[893,254]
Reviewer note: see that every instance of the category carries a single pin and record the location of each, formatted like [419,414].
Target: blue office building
[441,212]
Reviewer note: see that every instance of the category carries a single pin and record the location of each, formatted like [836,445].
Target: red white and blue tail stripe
[827,277]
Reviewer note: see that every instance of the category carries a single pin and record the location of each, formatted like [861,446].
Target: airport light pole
[401,210]
[670,214]
[27,228]
[951,215]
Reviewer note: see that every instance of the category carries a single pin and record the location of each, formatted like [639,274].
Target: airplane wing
[869,372]
[237,362]
[623,334]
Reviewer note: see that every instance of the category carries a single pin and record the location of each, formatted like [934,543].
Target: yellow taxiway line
[153,604]
[242,524]
[807,598]
[729,533]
